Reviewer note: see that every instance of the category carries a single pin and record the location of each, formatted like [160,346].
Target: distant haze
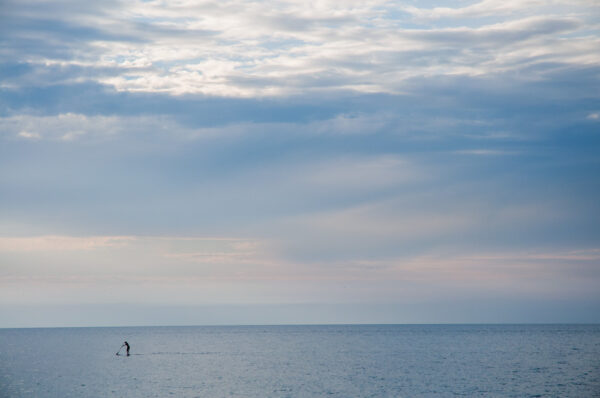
[236,162]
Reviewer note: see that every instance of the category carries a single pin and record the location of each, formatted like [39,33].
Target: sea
[303,361]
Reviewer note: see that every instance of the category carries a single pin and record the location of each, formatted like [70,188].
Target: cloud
[76,126]
[61,243]
[29,136]
[500,273]
[478,9]
[285,151]
[485,152]
[98,260]
[176,270]
[501,34]
[282,48]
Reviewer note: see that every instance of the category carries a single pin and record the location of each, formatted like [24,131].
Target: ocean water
[303,361]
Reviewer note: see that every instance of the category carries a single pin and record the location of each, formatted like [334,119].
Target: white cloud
[479,9]
[271,48]
[29,136]
[75,126]
[61,243]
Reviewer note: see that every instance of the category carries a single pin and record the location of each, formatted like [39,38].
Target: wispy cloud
[61,243]
[284,151]
[491,8]
[221,269]
[485,152]
[76,126]
[240,49]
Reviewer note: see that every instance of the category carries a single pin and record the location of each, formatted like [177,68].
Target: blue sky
[299,162]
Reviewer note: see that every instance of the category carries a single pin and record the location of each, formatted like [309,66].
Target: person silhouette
[126,344]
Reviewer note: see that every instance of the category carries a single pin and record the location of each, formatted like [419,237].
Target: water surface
[303,361]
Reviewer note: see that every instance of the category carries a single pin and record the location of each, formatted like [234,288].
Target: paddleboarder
[126,344]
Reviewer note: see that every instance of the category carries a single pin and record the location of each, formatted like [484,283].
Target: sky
[284,161]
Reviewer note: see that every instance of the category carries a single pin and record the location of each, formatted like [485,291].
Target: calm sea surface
[303,361]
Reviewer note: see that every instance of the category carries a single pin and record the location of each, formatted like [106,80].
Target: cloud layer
[273,48]
[288,152]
